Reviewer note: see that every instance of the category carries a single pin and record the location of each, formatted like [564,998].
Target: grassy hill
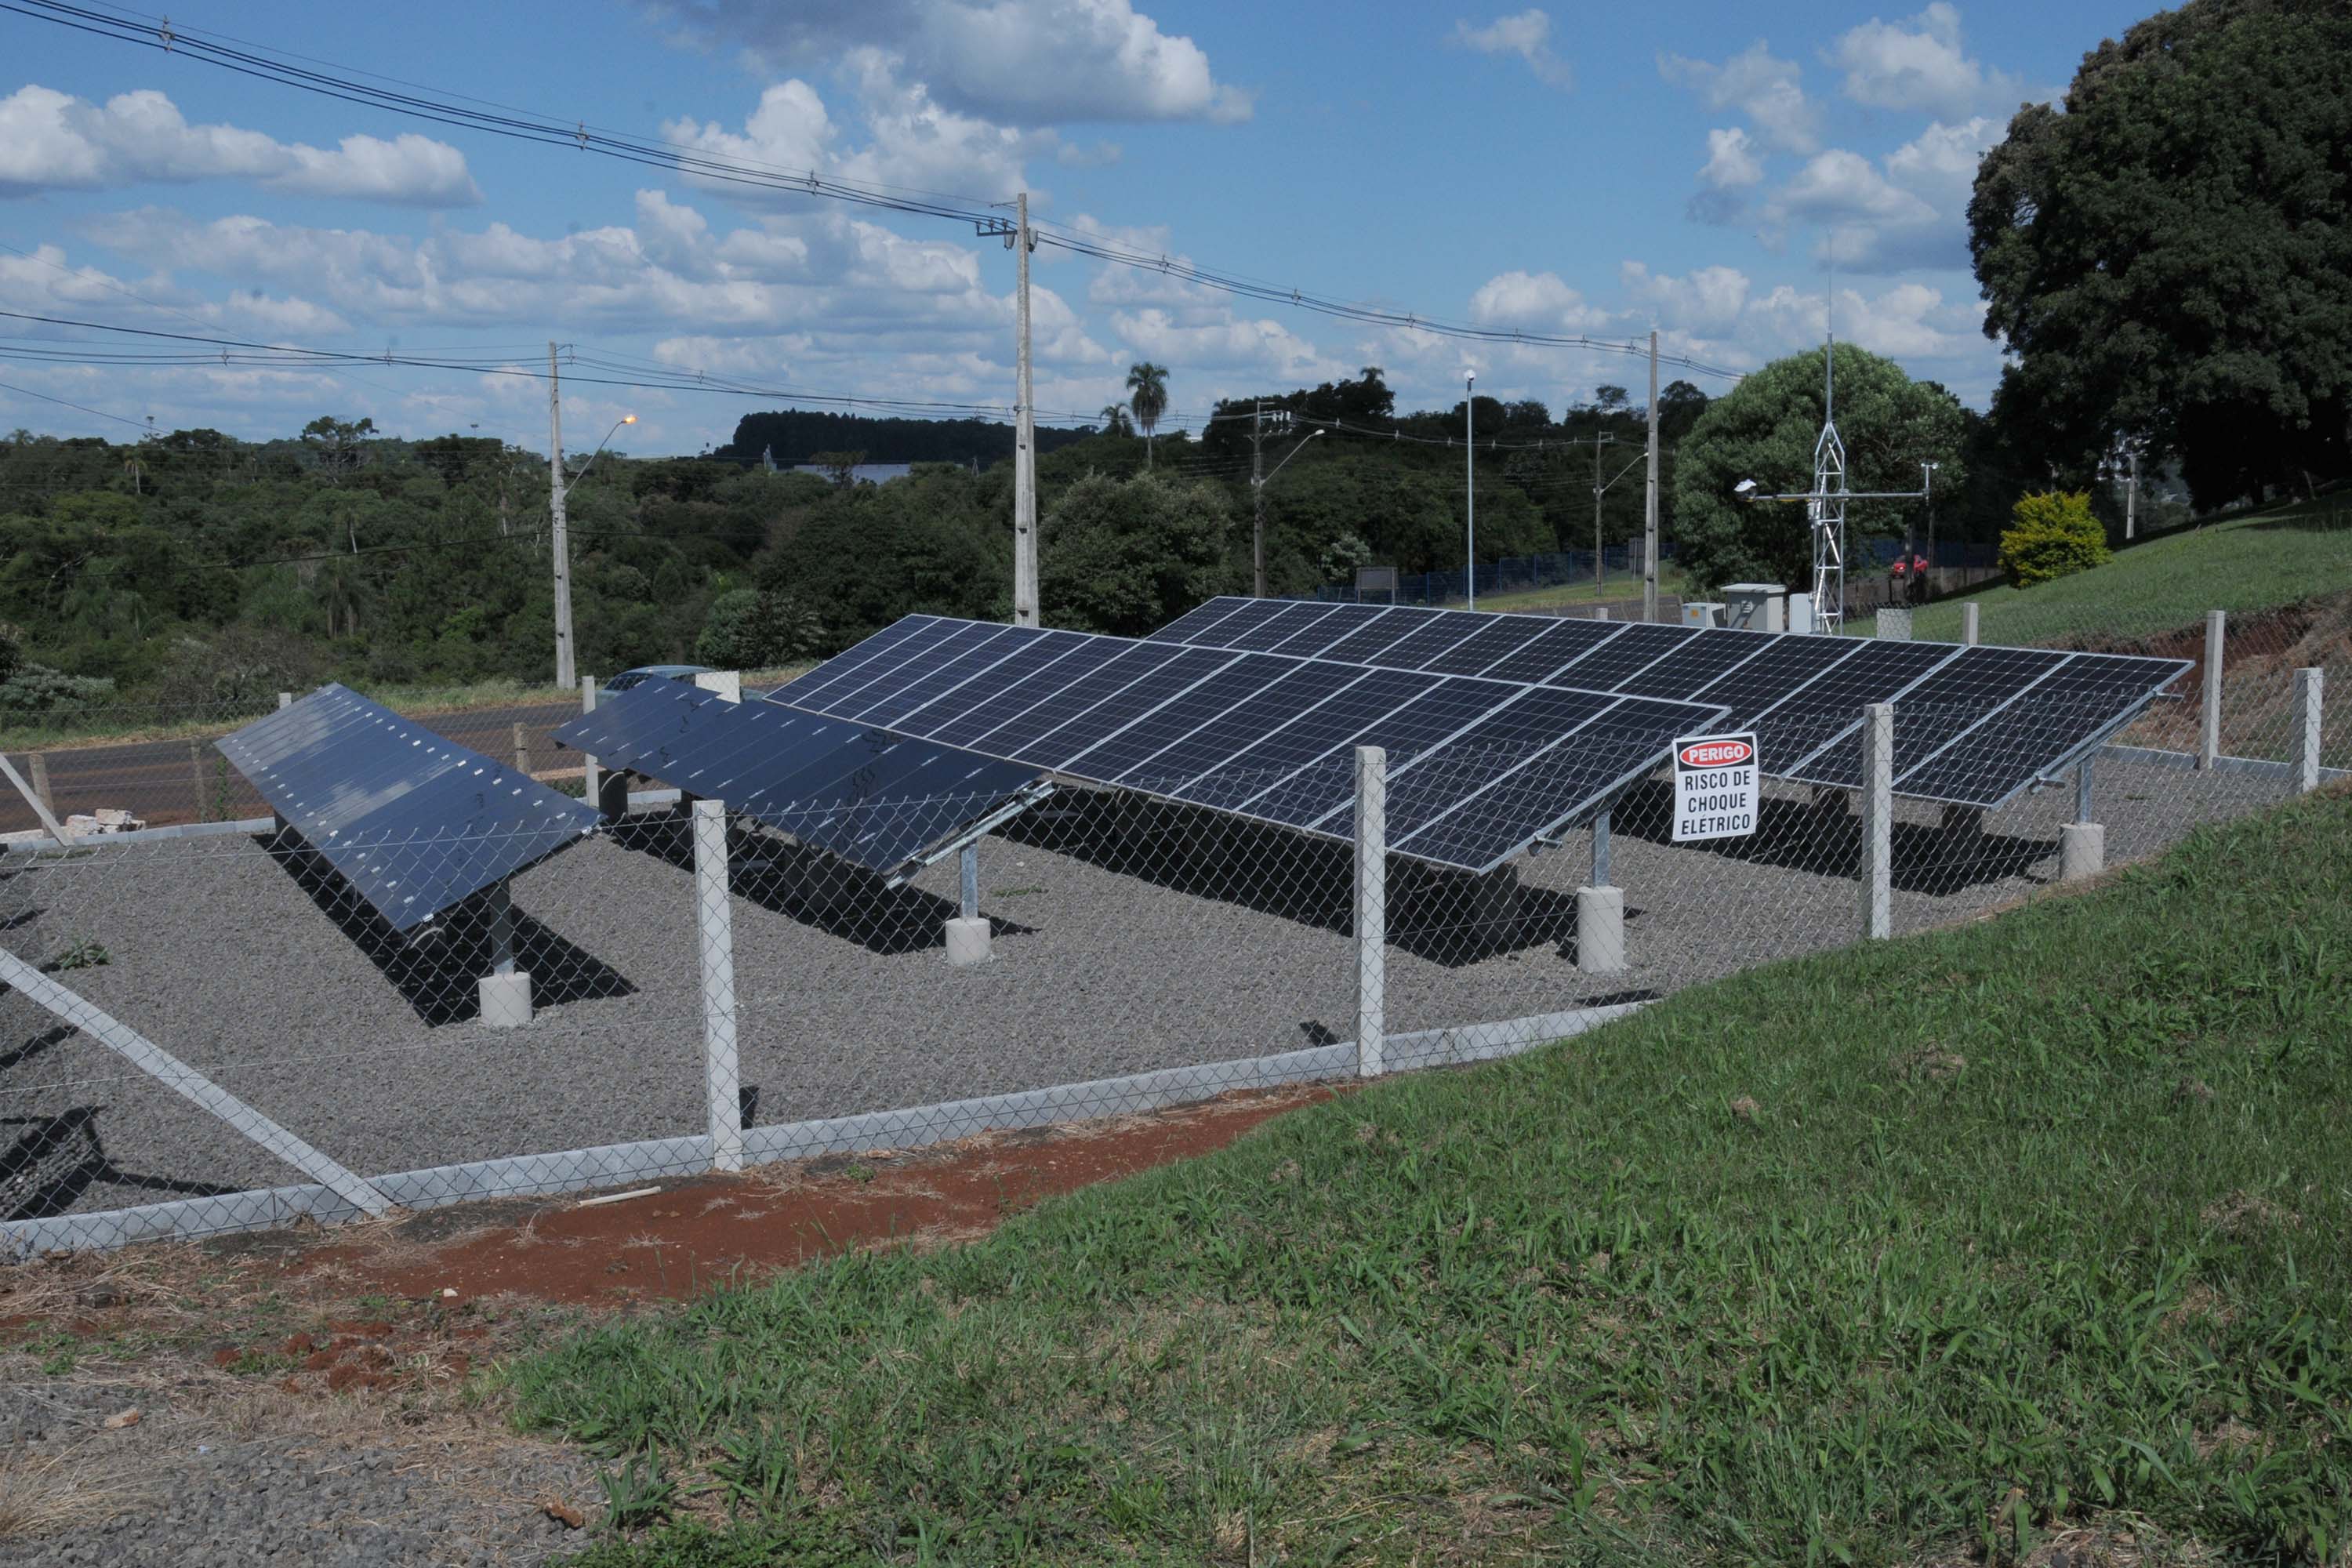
[1945,1246]
[2245,565]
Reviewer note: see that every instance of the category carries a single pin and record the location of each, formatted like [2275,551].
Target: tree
[840,468]
[1147,396]
[1127,556]
[338,444]
[1114,420]
[1764,429]
[1679,406]
[2168,257]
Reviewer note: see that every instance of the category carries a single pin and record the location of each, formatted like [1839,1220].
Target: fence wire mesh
[216,1032]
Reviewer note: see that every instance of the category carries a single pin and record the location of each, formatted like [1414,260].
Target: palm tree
[1114,420]
[1147,394]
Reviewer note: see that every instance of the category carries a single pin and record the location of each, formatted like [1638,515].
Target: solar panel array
[413,823]
[1973,725]
[877,799]
[1478,768]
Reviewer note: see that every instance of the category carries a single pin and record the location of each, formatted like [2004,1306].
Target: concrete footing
[505,1001]
[2082,850]
[968,941]
[1600,930]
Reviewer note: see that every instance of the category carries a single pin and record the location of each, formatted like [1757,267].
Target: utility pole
[1470,482]
[1650,505]
[560,542]
[1599,560]
[1025,440]
[1258,496]
[2131,497]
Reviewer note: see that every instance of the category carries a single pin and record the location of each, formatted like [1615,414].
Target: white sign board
[1715,786]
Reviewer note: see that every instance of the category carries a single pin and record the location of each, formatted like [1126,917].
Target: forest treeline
[194,567]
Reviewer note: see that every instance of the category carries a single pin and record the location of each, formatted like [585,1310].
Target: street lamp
[1470,484]
[559,537]
[623,419]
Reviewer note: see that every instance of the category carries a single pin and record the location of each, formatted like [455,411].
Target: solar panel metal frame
[355,833]
[619,733]
[1015,735]
[1206,619]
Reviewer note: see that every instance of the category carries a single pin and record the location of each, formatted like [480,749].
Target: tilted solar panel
[1973,726]
[876,798]
[414,823]
[1482,766]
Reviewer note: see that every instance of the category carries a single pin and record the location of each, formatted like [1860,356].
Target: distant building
[768,458]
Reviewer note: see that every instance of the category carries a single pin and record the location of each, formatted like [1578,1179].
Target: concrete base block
[505,1001]
[968,941]
[1600,930]
[2082,850]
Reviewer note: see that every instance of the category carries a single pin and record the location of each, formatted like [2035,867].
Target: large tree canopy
[2170,258]
[1765,429]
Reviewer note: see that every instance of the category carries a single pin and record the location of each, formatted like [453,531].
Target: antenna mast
[1826,508]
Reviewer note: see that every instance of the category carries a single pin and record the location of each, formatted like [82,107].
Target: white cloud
[1019,62]
[1765,88]
[1527,35]
[1535,302]
[1731,169]
[1710,299]
[1941,162]
[1908,211]
[1920,64]
[52,140]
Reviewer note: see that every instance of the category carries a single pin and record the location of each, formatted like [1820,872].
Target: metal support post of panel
[505,991]
[968,934]
[1969,616]
[1601,911]
[2209,741]
[1878,819]
[589,771]
[1371,909]
[2310,689]
[715,914]
[189,1084]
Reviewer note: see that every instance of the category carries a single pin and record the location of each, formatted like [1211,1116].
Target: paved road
[161,780]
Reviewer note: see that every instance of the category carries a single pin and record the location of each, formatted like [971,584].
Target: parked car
[628,678]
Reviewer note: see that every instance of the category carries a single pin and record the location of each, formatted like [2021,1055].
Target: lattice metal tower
[1826,508]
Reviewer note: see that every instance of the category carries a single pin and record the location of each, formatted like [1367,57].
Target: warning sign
[1715,786]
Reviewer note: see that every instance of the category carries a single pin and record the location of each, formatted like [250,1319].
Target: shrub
[2054,535]
[757,629]
[34,690]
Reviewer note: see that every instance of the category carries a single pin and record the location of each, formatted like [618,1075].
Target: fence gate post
[1878,819]
[1372,908]
[589,780]
[714,910]
[2208,744]
[2309,690]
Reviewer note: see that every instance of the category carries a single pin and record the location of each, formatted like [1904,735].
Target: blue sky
[1686,168]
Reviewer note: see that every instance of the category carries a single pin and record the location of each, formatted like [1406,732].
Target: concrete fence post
[2309,693]
[2209,743]
[523,751]
[1599,612]
[590,780]
[285,700]
[1969,616]
[196,775]
[40,764]
[1878,819]
[1372,908]
[714,909]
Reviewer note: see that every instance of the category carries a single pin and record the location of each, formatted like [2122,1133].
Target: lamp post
[1470,484]
[560,538]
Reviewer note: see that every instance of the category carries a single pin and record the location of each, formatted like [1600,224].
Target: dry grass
[46,1494]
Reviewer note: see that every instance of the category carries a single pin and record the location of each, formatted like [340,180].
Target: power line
[443,107]
[96,413]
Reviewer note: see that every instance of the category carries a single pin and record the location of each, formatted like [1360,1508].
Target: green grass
[1620,587]
[2244,566]
[1933,1245]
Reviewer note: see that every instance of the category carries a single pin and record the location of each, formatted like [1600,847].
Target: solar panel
[1973,726]
[1271,735]
[412,822]
[877,799]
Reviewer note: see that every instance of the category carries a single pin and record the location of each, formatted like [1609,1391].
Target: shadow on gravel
[1449,918]
[46,1167]
[436,968]
[1824,838]
[816,889]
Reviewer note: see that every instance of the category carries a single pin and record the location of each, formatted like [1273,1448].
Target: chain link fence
[206,1029]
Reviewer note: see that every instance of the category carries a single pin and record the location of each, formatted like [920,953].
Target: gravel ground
[1128,938]
[213,1475]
